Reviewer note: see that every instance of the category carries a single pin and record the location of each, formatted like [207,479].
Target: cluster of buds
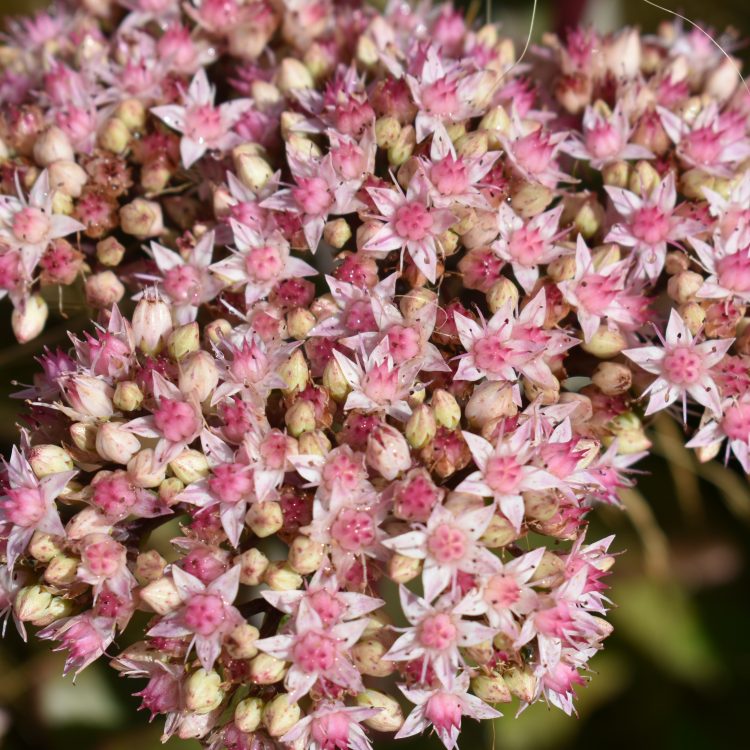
[394,296]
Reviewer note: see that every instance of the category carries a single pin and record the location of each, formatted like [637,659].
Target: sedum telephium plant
[380,309]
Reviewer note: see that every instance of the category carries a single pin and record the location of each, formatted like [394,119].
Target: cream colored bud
[299,323]
[203,692]
[387,451]
[540,506]
[403,146]
[83,435]
[472,145]
[367,51]
[190,466]
[49,459]
[500,293]
[61,570]
[314,443]
[414,303]
[722,81]
[294,372]
[198,375]
[29,318]
[605,343]
[144,471]
[253,564]
[420,427]
[499,532]
[132,113]
[252,169]
[128,396]
[305,555]
[265,518]
[446,409]
[616,174]
[103,290]
[293,74]
[280,715]
[142,219]
[184,340]
[265,669]
[67,177]
[627,428]
[169,489]
[479,231]
[387,131]
[110,252]
[550,569]
[35,604]
[490,401]
[86,522]
[217,330]
[51,146]
[693,182]
[248,714]
[116,444]
[161,595]
[43,547]
[530,199]
[389,718]
[300,417]
[337,233]
[368,658]
[149,566]
[115,136]
[240,643]
[335,382]
[152,323]
[491,688]
[683,286]
[643,178]
[280,577]
[521,683]
[612,378]
[402,569]
[694,316]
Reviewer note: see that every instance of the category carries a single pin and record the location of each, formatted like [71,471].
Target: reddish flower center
[491,354]
[733,271]
[24,506]
[650,225]
[314,652]
[603,140]
[331,732]
[440,97]
[183,284]
[327,606]
[264,263]
[104,558]
[403,343]
[353,529]
[526,246]
[31,225]
[503,474]
[176,420]
[204,613]
[450,176]
[502,591]
[443,711]
[736,422]
[203,124]
[438,632]
[682,366]
[313,196]
[231,482]
[381,383]
[412,221]
[447,544]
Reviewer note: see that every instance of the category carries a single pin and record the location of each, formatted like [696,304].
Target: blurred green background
[674,674]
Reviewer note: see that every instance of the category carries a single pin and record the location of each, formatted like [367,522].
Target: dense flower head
[378,316]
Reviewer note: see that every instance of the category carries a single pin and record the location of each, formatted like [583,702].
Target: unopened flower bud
[43,547]
[616,174]
[389,718]
[203,691]
[490,401]
[337,232]
[446,409]
[240,643]
[683,286]
[253,564]
[103,290]
[28,319]
[217,330]
[109,252]
[368,655]
[722,81]
[300,417]
[114,136]
[252,169]
[694,181]
[294,372]
[32,604]
[86,522]
[694,316]
[421,427]
[61,570]
[144,470]
[605,343]
[293,74]
[49,459]
[551,569]
[491,688]
[265,518]
[499,532]
[473,145]
[530,199]
[305,555]
[643,178]
[387,451]
[521,683]
[280,715]
[142,219]
[334,381]
[149,566]
[67,177]
[500,293]
[280,577]
[314,443]
[161,595]
[169,489]
[184,340]
[612,378]
[628,430]
[155,176]
[127,396]
[248,714]
[190,466]
[132,113]
[265,669]
[116,444]
[415,301]
[402,569]
[198,375]
[299,322]
[387,131]
[89,395]
[152,323]
[51,146]
[403,147]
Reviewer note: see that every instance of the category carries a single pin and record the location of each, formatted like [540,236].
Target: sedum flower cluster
[400,300]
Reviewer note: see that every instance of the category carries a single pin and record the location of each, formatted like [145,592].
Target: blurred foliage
[673,674]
